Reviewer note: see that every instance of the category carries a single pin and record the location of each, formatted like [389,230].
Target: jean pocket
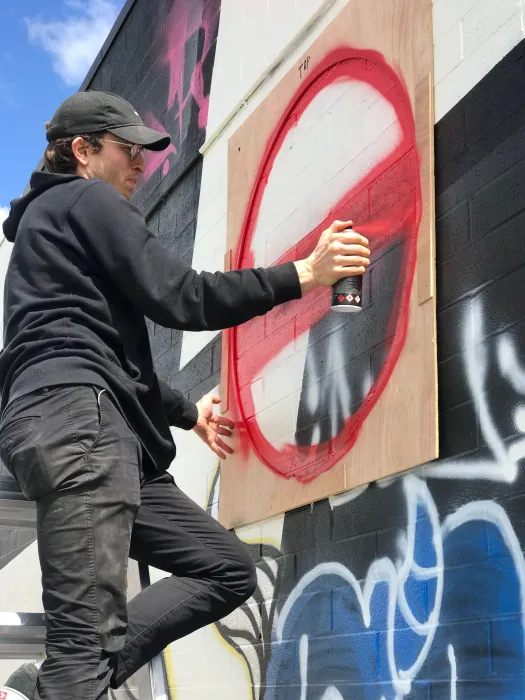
[19,453]
[87,416]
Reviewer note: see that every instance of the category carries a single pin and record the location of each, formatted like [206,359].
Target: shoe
[21,684]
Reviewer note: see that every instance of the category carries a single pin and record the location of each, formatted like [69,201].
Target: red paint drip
[385,205]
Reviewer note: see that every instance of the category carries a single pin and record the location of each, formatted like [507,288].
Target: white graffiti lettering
[504,464]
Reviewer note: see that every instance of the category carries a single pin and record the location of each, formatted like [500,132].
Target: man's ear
[80,150]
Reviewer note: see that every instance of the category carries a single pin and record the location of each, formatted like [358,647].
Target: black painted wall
[137,67]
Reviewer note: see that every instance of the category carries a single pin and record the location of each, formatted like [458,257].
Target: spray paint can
[347,294]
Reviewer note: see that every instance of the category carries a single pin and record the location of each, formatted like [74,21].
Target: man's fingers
[228,422]
[352,261]
[225,447]
[352,237]
[224,431]
[353,249]
[218,452]
[341,225]
[350,271]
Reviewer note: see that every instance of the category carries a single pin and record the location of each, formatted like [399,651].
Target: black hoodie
[83,274]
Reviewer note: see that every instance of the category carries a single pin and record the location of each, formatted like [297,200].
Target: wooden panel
[224,384]
[324,402]
[426,255]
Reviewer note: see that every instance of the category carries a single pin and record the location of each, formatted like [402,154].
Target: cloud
[74,42]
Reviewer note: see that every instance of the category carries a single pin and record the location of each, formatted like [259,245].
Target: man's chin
[126,190]
[131,187]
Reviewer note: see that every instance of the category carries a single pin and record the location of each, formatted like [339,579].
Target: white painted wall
[470,38]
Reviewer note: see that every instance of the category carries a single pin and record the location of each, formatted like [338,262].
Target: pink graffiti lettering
[186,17]
[156,159]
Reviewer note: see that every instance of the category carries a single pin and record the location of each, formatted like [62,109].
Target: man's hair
[59,156]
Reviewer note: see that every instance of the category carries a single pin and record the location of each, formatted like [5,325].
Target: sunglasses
[134,149]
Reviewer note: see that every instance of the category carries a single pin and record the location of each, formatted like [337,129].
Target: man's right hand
[338,254]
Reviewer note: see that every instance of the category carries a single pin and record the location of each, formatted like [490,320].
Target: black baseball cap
[91,111]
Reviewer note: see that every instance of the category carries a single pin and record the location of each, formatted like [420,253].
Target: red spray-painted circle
[385,205]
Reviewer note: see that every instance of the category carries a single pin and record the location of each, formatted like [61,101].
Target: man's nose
[139,163]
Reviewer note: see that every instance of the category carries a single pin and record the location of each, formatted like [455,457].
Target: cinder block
[161,342]
[193,343]
[208,253]
[282,18]
[449,319]
[452,232]
[447,14]
[388,506]
[309,528]
[167,365]
[504,638]
[282,380]
[204,388]
[311,614]
[214,171]
[272,531]
[501,200]
[449,52]
[187,212]
[458,431]
[500,296]
[451,89]
[197,371]
[250,534]
[472,690]
[452,381]
[513,505]
[278,421]
[353,555]
[193,483]
[486,17]
[494,100]
[450,142]
[210,215]
[482,600]
[217,355]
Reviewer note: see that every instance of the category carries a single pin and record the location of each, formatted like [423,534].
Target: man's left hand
[210,426]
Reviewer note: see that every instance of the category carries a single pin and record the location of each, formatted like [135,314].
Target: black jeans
[71,450]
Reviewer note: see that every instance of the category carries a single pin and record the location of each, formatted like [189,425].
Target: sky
[46,49]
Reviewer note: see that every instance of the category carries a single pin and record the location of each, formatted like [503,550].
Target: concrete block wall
[413,587]
[410,587]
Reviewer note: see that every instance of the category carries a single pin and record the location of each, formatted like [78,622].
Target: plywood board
[324,402]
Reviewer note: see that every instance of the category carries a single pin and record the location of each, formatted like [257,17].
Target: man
[85,423]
